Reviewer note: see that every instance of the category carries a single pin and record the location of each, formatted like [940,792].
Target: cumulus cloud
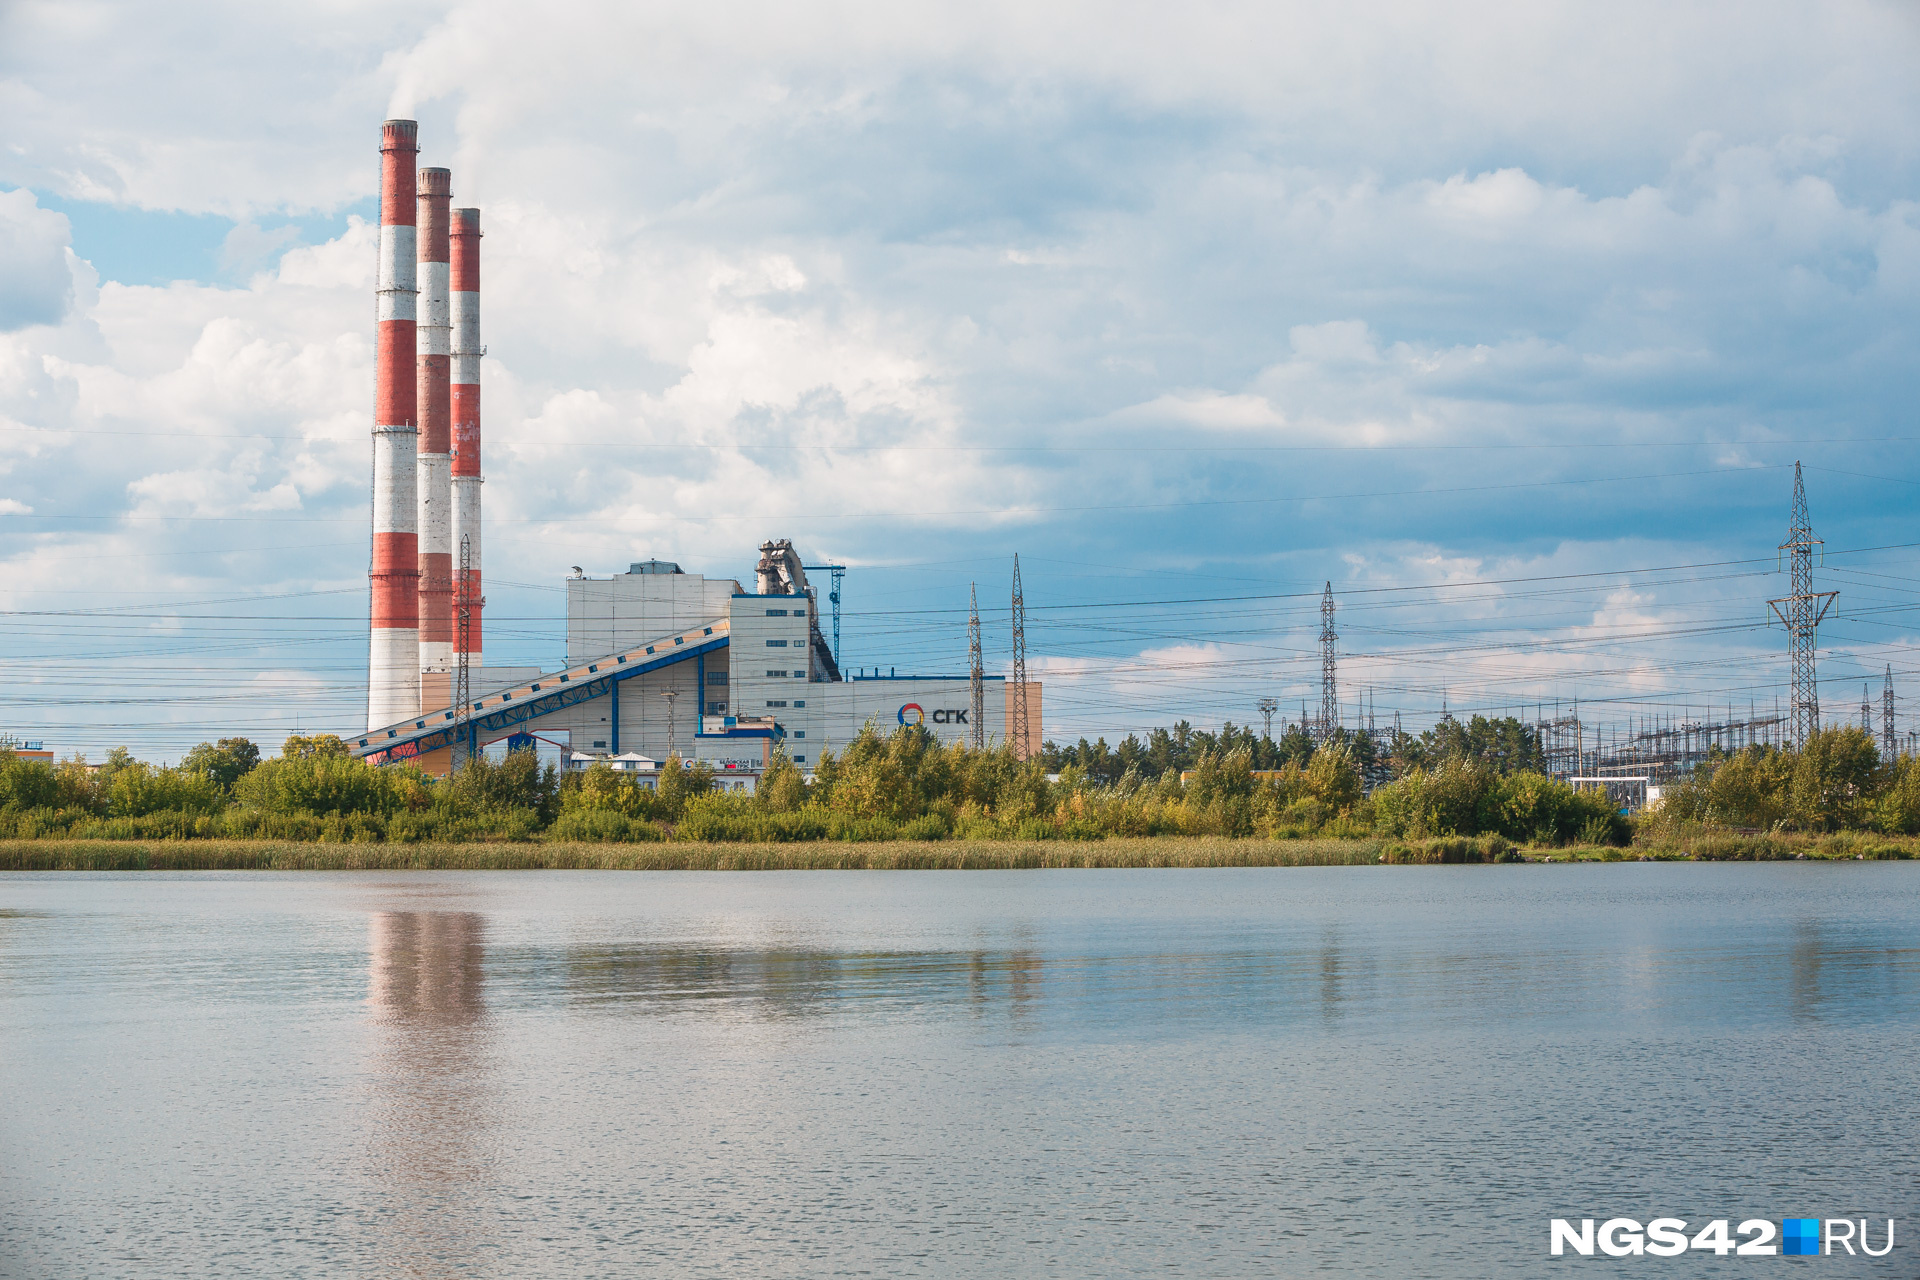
[35,284]
[1250,290]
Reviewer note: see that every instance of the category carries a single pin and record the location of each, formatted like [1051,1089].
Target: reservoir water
[1401,1071]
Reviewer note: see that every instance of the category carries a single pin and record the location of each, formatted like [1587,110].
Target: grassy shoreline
[898,855]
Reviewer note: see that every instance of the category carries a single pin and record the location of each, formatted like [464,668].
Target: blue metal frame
[420,742]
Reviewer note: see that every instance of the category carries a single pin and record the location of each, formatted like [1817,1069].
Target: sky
[1507,321]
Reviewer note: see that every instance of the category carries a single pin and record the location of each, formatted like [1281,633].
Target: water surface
[1395,1071]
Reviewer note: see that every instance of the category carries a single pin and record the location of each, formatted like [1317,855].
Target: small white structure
[646,767]
[1628,794]
[728,775]
[735,775]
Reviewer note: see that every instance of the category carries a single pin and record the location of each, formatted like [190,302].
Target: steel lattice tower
[976,672]
[1886,716]
[1801,614]
[839,572]
[1022,746]
[1866,712]
[1329,704]
[462,633]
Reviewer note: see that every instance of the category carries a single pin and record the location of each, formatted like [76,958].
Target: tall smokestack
[393,668]
[435,461]
[466,412]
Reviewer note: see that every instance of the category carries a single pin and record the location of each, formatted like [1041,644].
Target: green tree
[679,784]
[1835,780]
[321,784]
[1333,779]
[516,782]
[138,789]
[226,762]
[27,784]
[1898,808]
[783,788]
[318,745]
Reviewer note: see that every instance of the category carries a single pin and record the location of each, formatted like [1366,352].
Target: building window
[776,675]
[771,644]
[799,675]
[799,733]
[799,613]
[776,704]
[600,742]
[776,613]
[716,708]
[800,702]
[799,759]
[716,677]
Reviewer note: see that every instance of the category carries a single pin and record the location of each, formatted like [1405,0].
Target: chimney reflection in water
[428,1122]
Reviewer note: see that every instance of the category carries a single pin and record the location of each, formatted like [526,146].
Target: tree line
[1505,745]
[1480,777]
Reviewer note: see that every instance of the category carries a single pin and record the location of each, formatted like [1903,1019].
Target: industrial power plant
[660,661]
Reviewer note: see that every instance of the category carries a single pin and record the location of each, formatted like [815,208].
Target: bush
[140,789]
[1451,849]
[516,782]
[602,825]
[27,784]
[323,784]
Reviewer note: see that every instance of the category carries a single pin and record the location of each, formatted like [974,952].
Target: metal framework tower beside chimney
[463,650]
[976,673]
[839,574]
[1329,692]
[1022,746]
[1801,614]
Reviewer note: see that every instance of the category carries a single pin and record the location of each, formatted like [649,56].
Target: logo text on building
[914,713]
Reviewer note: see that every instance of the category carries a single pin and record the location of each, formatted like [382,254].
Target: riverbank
[901,855]
[897,855]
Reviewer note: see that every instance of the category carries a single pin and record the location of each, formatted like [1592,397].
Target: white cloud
[752,270]
[35,285]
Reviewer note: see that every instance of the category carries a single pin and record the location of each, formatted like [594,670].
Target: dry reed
[904,855]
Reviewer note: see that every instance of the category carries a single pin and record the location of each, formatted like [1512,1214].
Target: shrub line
[897,855]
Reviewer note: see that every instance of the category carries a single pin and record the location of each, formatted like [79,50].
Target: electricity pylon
[976,673]
[1801,614]
[1329,701]
[1022,745]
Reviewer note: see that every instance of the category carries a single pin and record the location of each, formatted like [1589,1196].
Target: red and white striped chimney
[393,669]
[466,417]
[435,471]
